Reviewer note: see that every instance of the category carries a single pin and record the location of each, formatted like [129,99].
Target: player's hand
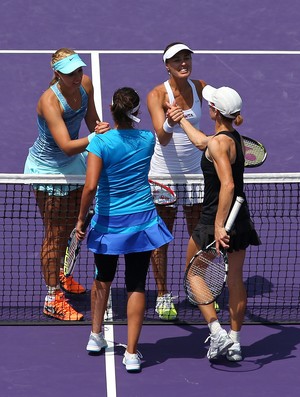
[174,113]
[80,235]
[101,127]
[222,238]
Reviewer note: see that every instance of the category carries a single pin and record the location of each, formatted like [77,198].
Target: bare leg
[237,290]
[192,249]
[59,216]
[207,311]
[99,298]
[135,317]
[159,256]
[192,215]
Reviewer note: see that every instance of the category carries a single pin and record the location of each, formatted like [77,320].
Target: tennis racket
[206,274]
[255,152]
[73,247]
[162,195]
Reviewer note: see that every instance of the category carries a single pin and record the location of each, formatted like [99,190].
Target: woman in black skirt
[223,168]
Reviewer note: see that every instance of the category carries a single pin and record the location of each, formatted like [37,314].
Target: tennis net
[271,271]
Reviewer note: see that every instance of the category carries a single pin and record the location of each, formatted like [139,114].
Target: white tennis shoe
[234,353]
[132,362]
[219,344]
[96,343]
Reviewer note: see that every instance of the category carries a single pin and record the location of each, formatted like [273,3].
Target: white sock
[95,334]
[51,292]
[234,335]
[214,327]
[128,355]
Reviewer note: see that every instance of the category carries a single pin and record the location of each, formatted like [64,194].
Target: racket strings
[254,153]
[161,195]
[72,249]
[205,279]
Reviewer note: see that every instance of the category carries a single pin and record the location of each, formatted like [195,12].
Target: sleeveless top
[45,150]
[212,183]
[123,187]
[179,156]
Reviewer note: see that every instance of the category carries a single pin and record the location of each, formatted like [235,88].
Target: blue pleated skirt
[124,234]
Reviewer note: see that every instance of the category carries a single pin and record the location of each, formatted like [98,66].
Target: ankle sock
[234,335]
[51,292]
[214,327]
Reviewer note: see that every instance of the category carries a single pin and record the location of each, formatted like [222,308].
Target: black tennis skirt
[242,235]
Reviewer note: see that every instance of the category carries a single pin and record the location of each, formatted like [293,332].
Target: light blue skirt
[124,234]
[76,167]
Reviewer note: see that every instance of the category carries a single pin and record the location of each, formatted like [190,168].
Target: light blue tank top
[45,150]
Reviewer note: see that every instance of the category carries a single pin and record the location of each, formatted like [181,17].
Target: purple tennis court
[175,363]
[236,43]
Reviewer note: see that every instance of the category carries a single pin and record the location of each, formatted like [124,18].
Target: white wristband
[91,136]
[167,128]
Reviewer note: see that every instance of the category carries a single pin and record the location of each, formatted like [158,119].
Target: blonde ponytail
[57,56]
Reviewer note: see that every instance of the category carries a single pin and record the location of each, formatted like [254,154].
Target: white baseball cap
[224,99]
[174,49]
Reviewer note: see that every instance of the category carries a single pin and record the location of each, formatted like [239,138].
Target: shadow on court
[172,347]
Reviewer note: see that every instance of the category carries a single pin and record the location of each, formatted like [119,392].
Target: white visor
[174,50]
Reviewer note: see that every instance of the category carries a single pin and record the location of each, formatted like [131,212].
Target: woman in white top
[175,154]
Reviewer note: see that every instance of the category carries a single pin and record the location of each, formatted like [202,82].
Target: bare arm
[197,137]
[157,111]
[93,173]
[49,108]
[91,118]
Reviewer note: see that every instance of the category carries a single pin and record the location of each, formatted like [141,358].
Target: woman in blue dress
[125,221]
[58,150]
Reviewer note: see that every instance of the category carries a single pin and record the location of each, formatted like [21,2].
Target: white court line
[110,368]
[233,52]
[95,61]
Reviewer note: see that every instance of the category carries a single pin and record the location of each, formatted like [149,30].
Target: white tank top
[179,156]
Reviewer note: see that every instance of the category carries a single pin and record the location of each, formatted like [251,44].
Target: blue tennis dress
[125,220]
[45,157]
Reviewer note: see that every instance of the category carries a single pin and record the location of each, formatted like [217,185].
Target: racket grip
[233,213]
[88,219]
